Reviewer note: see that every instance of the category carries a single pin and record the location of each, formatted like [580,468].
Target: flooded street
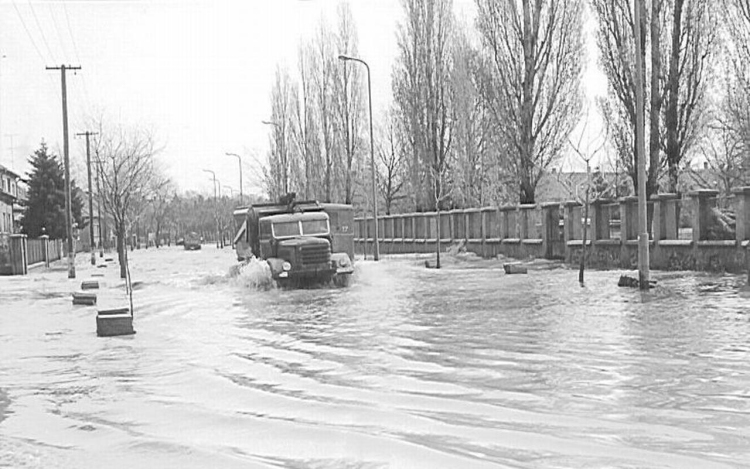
[405,368]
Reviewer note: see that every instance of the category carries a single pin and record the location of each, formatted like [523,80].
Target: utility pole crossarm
[66,67]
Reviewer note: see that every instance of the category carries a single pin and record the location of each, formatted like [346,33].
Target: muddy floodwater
[407,367]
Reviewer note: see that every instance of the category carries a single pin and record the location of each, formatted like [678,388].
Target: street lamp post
[346,58]
[213,175]
[643,254]
[239,158]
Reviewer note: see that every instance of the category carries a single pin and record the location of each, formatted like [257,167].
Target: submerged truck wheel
[341,281]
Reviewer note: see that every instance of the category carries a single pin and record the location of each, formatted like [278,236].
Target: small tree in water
[125,160]
[439,186]
[587,152]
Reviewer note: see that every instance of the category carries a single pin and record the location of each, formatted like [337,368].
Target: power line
[31,38]
[57,30]
[86,93]
[41,31]
[70,32]
[28,33]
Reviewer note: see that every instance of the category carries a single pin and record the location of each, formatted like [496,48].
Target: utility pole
[99,214]
[216,207]
[91,195]
[643,255]
[68,212]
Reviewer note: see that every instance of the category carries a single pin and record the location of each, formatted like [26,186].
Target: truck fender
[276,266]
[343,264]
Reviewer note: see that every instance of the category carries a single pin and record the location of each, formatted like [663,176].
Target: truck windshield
[283,229]
[314,227]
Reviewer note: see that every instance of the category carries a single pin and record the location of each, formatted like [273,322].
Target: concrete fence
[18,253]
[686,233]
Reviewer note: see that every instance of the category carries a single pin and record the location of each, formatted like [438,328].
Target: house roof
[9,172]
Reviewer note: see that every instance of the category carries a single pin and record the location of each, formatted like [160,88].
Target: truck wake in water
[253,273]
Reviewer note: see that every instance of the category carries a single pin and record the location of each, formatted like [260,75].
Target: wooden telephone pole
[91,196]
[68,211]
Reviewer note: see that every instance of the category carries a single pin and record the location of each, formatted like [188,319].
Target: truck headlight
[343,262]
[286,266]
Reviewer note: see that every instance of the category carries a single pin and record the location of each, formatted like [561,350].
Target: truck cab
[297,240]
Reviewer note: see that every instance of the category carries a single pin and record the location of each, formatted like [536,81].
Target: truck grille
[315,254]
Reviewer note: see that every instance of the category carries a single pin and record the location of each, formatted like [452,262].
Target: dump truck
[302,241]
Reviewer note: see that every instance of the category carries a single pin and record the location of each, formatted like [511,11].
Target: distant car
[192,242]
[180,242]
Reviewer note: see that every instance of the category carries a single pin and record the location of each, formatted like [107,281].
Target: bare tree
[472,128]
[323,69]
[536,52]
[391,161]
[735,105]
[616,42]
[126,162]
[422,92]
[726,161]
[349,102]
[587,151]
[305,126]
[684,33]
[692,47]
[281,158]
[162,192]
[442,191]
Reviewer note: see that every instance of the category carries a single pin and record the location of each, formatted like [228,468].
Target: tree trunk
[582,265]
[121,249]
[655,109]
[437,209]
[673,85]
[527,195]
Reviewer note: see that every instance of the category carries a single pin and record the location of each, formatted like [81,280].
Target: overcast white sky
[198,72]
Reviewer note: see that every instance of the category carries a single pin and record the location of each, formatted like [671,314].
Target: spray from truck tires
[254,273]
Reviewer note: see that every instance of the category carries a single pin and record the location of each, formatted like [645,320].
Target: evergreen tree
[45,207]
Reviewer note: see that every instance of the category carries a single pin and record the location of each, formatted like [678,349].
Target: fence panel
[34,251]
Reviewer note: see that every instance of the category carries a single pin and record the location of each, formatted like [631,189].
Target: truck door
[266,238]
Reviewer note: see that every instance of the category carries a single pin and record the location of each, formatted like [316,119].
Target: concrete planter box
[114,322]
[84,298]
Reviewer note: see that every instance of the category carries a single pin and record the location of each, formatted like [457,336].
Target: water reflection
[407,367]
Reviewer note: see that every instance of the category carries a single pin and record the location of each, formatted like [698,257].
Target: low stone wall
[555,231]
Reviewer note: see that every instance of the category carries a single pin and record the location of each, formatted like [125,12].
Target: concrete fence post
[550,228]
[45,249]
[572,228]
[742,213]
[704,201]
[665,221]
[628,218]
[600,216]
